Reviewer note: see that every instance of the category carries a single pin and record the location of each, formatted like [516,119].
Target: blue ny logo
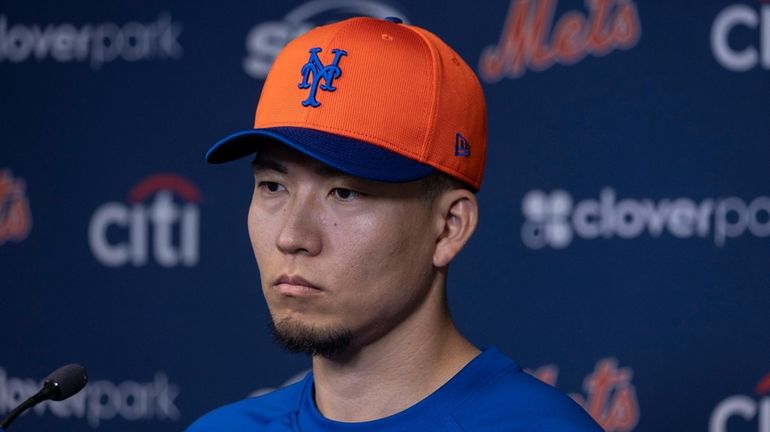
[317,69]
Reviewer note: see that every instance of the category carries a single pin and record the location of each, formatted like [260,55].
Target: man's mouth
[296,286]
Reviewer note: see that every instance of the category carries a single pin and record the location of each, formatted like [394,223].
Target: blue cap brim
[347,155]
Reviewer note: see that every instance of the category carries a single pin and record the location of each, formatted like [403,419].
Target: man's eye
[345,194]
[270,186]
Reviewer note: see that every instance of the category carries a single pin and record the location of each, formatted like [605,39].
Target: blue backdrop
[623,248]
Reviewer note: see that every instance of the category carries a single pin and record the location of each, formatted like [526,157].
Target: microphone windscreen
[70,379]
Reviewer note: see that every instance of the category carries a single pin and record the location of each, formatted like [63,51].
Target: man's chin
[298,337]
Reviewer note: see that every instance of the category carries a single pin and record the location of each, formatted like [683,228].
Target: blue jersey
[491,393]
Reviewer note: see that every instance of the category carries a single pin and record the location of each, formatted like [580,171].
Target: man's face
[338,255]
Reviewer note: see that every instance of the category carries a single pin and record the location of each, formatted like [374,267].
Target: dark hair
[438,182]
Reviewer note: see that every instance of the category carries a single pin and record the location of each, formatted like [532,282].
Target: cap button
[396,20]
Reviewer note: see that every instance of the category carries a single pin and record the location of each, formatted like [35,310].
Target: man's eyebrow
[262,164]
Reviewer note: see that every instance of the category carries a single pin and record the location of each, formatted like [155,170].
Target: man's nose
[301,230]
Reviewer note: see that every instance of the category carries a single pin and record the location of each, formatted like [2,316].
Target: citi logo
[745,407]
[555,220]
[150,225]
[265,40]
[746,57]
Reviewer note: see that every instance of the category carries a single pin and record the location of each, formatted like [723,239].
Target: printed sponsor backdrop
[623,251]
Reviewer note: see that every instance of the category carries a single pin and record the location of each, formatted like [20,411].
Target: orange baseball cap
[373,98]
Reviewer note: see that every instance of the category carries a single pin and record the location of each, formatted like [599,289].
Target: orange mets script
[529,39]
[15,217]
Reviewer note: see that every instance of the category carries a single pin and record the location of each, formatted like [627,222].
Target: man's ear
[457,213]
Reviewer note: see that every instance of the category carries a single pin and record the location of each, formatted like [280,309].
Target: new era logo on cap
[462,148]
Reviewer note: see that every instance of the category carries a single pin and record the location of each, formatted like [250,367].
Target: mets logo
[15,216]
[318,71]
[610,396]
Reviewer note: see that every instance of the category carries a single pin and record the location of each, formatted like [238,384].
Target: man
[369,143]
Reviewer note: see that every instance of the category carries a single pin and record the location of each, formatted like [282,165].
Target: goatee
[298,338]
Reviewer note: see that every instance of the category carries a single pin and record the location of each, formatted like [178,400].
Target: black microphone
[59,385]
